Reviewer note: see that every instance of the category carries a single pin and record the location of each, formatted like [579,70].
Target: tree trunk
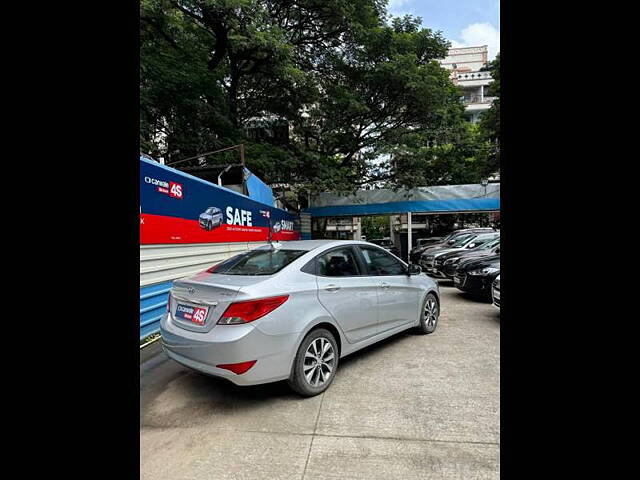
[233,98]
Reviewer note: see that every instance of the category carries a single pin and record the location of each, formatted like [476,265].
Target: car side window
[381,263]
[340,262]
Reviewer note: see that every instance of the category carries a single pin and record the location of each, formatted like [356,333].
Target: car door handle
[385,285]
[332,287]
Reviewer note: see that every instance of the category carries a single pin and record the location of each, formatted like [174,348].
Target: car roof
[482,235]
[475,229]
[309,245]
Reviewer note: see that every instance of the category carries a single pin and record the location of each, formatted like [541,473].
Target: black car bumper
[448,270]
[476,284]
[438,270]
[435,272]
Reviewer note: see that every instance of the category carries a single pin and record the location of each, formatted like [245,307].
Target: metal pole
[240,146]
[392,234]
[409,237]
[222,173]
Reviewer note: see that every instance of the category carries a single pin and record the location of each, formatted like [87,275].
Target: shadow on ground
[191,397]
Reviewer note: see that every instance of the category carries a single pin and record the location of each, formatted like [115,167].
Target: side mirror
[471,245]
[451,242]
[414,269]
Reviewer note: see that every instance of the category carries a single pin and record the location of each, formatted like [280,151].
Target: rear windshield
[257,262]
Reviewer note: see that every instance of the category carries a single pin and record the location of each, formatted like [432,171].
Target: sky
[465,23]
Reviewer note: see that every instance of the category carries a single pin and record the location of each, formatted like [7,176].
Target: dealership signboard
[176,207]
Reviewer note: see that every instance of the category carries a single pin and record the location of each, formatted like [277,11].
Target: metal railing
[473,99]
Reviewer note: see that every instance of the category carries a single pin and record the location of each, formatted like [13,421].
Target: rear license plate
[196,315]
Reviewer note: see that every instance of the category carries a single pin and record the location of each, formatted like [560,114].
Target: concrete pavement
[410,407]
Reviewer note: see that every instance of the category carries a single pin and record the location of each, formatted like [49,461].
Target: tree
[208,66]
[363,94]
[375,227]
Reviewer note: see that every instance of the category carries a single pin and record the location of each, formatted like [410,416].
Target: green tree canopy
[362,94]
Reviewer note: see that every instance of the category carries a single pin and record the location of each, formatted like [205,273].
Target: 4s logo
[175,190]
[199,316]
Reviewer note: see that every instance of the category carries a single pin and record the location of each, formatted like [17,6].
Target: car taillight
[238,368]
[245,312]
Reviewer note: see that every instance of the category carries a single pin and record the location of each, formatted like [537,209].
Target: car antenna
[267,215]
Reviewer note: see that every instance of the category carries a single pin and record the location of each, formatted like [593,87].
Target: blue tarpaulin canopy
[440,199]
[258,190]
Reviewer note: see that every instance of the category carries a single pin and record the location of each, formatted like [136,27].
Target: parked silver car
[293,310]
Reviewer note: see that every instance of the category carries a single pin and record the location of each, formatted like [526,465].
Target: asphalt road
[411,407]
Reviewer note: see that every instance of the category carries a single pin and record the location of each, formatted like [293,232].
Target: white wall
[161,263]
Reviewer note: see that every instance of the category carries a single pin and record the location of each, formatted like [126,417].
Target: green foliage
[375,227]
[363,95]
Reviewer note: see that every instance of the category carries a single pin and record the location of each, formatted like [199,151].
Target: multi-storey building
[466,66]
[338,228]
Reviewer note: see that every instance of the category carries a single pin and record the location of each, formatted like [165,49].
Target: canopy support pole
[408,237]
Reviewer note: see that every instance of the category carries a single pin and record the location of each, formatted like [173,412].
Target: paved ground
[411,407]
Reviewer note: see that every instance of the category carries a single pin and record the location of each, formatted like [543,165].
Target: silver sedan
[290,311]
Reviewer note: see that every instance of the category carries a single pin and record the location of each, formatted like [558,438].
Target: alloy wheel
[319,362]
[431,312]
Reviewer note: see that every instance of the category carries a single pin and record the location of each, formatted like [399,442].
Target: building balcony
[414,226]
[477,100]
[341,228]
[466,77]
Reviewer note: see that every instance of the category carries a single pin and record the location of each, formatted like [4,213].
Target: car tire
[429,314]
[306,371]
[209,225]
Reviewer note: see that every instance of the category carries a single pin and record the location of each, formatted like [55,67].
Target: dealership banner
[176,207]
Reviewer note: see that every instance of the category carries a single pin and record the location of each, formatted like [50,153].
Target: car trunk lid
[212,293]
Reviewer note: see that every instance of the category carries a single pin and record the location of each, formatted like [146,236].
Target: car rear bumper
[228,344]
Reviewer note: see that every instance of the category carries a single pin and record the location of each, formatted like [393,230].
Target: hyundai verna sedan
[476,275]
[210,218]
[291,311]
